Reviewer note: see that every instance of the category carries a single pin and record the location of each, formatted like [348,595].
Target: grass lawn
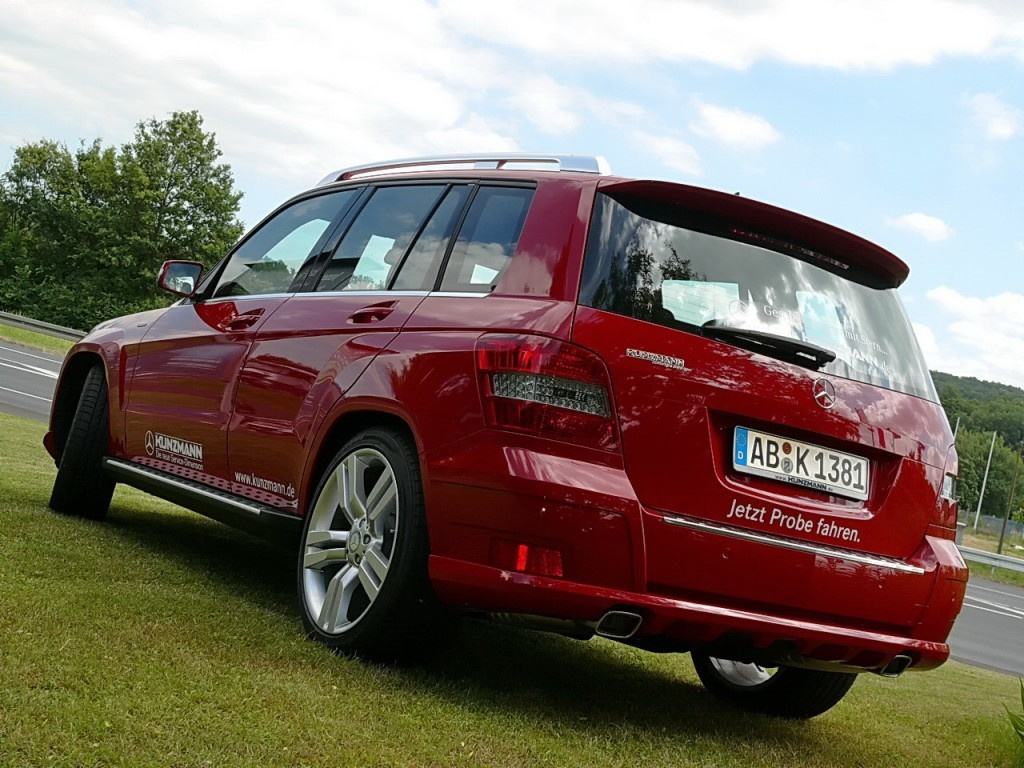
[34,340]
[158,638]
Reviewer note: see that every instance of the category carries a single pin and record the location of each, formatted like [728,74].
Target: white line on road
[26,368]
[29,354]
[26,394]
[995,591]
[1002,610]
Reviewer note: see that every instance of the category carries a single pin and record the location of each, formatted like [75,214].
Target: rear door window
[378,238]
[661,265]
[419,270]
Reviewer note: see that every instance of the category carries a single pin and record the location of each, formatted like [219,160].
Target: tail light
[548,388]
[944,520]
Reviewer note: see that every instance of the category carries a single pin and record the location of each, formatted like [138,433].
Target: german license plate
[792,461]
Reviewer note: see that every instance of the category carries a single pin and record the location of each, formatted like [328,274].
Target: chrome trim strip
[879,561]
[459,294]
[488,161]
[117,465]
[381,292]
[221,299]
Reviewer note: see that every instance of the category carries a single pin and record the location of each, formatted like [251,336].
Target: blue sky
[900,120]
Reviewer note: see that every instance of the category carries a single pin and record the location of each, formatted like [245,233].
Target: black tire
[369,594]
[790,692]
[81,487]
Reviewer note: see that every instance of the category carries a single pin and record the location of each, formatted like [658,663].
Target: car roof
[768,224]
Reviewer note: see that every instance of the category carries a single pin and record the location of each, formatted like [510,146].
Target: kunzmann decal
[653,357]
[263,484]
[184,453]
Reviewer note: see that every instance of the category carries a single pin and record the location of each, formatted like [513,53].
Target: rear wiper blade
[782,347]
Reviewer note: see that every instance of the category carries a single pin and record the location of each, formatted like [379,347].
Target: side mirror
[180,277]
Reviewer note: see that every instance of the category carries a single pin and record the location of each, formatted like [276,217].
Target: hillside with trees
[984,407]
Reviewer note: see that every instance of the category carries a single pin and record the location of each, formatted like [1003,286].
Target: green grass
[34,340]
[158,638]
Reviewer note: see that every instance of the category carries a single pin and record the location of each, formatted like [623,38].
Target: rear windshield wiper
[781,347]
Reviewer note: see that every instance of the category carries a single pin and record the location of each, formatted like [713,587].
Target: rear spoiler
[765,223]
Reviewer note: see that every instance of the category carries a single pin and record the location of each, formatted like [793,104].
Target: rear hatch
[767,382]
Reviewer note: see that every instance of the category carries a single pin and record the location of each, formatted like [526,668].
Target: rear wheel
[781,691]
[362,572]
[81,487]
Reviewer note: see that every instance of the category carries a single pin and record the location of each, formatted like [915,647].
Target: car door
[186,367]
[313,349]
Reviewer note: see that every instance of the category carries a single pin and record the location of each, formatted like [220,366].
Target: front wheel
[362,571]
[780,691]
[81,487]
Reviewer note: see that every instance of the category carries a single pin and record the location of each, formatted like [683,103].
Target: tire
[369,595]
[82,488]
[789,692]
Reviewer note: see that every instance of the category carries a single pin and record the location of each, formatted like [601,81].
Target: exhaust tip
[618,625]
[897,666]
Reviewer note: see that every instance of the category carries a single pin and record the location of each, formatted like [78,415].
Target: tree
[83,233]
[972,448]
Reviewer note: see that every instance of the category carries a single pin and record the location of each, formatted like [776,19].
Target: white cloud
[671,152]
[981,337]
[996,118]
[838,34]
[734,127]
[547,104]
[929,227]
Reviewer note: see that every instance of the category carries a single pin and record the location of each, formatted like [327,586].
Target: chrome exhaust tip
[897,666]
[618,625]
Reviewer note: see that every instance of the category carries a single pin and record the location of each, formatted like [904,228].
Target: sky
[899,120]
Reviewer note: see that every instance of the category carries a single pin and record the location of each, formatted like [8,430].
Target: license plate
[792,461]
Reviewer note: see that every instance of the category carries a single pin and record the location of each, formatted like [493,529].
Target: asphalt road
[989,632]
[27,380]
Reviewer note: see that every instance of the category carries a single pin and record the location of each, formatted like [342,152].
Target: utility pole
[1009,505]
[984,481]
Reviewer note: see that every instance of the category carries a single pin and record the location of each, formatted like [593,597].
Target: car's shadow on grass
[588,687]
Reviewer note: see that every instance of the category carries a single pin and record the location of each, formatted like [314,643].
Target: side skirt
[246,515]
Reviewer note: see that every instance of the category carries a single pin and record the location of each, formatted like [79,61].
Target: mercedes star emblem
[824,393]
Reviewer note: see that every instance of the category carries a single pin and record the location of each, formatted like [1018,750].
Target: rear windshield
[658,264]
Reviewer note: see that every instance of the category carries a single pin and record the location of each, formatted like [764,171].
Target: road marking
[996,591]
[26,368]
[26,394]
[28,354]
[1002,610]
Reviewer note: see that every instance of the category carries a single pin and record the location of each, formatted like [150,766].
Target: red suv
[523,388]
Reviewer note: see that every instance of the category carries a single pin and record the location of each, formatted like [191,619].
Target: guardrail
[991,558]
[57,331]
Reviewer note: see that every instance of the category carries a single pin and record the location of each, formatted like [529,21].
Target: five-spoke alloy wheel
[362,573]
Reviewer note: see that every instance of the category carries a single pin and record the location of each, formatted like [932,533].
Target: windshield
[656,263]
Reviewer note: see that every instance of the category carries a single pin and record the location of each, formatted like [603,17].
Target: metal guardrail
[990,558]
[57,331]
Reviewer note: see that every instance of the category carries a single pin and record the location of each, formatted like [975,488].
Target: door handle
[247,320]
[372,314]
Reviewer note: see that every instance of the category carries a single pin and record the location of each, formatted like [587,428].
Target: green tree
[83,233]
[972,448]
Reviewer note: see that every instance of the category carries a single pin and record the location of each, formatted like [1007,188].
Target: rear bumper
[674,624]
[741,594]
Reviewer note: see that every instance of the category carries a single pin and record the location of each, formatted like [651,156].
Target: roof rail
[498,161]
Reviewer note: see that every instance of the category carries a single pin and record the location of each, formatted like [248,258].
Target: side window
[269,260]
[419,270]
[487,239]
[378,238]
